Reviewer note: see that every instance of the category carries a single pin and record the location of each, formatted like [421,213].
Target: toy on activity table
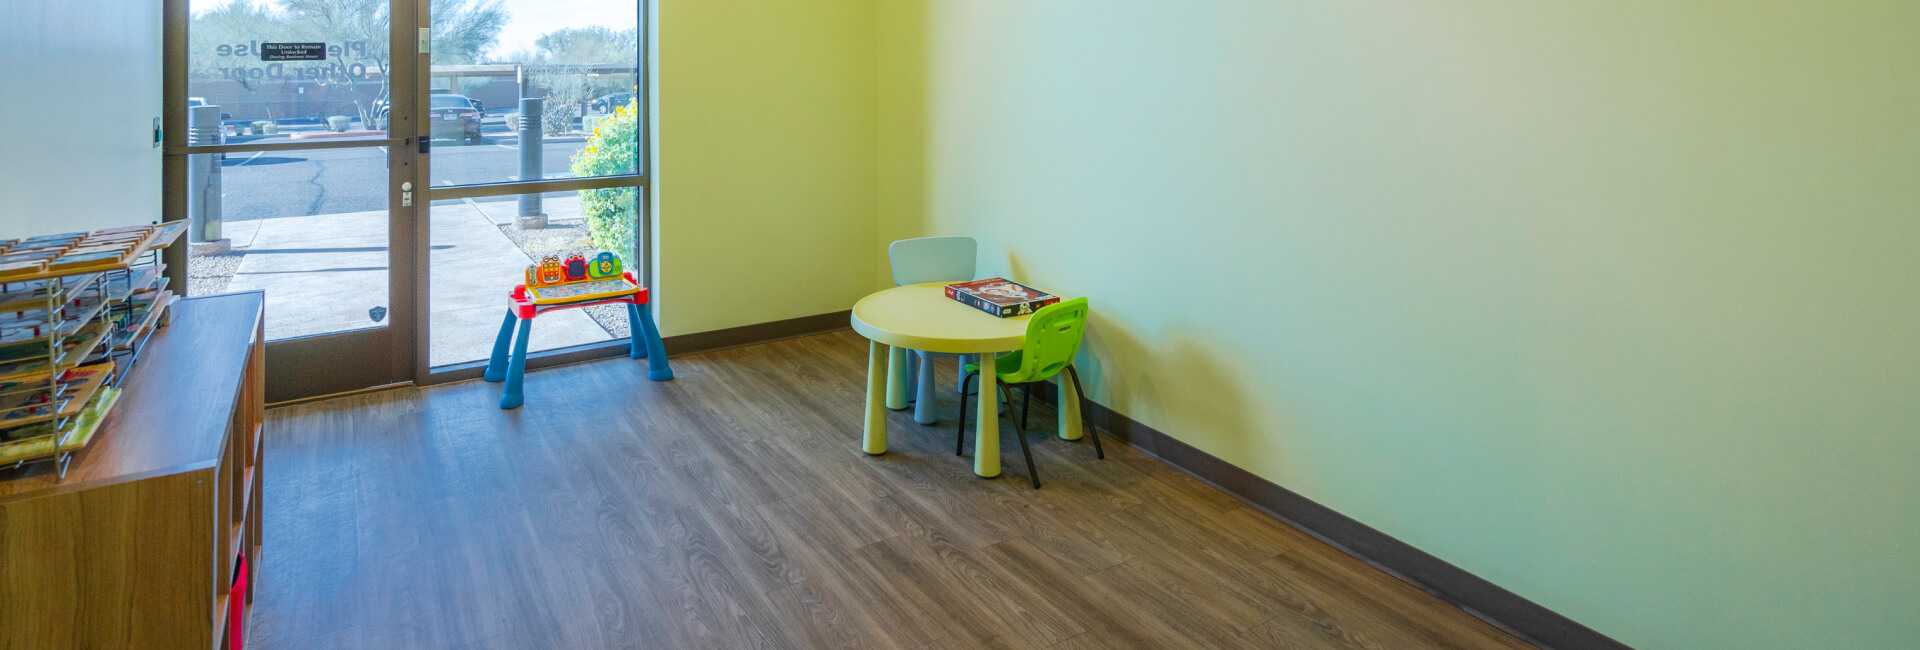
[555,284]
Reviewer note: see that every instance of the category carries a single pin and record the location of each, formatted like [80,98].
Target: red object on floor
[237,608]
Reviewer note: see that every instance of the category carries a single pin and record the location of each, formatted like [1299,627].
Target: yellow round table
[922,317]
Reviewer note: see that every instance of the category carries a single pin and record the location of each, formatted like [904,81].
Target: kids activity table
[524,304]
[922,317]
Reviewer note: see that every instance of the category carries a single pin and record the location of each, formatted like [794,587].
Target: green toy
[605,265]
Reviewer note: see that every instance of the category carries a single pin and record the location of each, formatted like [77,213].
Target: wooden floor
[732,508]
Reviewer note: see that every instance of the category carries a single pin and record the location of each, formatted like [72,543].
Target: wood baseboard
[758,332]
[676,345]
[1505,609]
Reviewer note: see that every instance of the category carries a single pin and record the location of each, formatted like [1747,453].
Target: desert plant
[556,117]
[609,151]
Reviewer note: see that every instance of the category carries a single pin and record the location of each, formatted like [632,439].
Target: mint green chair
[1053,338]
[930,259]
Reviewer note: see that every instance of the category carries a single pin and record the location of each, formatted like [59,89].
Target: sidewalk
[326,273]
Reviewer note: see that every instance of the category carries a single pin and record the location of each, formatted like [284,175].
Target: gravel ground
[563,238]
[209,274]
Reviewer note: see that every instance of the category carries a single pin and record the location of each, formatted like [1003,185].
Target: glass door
[384,170]
[290,147]
[535,114]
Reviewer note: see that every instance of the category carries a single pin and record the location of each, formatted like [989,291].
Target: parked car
[450,115]
[453,116]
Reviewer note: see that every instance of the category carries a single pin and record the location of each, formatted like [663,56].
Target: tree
[351,21]
[586,45]
[236,22]
[558,62]
[462,29]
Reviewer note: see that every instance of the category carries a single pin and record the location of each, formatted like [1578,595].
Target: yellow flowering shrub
[610,150]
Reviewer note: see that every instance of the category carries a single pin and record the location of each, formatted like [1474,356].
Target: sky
[527,20]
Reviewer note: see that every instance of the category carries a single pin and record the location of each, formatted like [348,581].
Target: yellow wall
[764,199]
[1611,303]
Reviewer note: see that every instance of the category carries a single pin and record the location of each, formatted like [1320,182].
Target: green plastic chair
[1053,338]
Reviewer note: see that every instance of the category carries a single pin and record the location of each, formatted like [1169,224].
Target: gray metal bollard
[532,145]
[203,175]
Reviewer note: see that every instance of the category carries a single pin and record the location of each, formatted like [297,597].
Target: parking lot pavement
[329,181]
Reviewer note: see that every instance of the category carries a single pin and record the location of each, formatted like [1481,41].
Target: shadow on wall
[1172,377]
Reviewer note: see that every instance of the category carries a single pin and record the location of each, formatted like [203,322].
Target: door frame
[322,364]
[319,365]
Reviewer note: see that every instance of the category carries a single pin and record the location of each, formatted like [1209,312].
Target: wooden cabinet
[137,547]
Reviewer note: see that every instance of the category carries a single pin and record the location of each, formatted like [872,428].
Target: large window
[554,96]
[556,73]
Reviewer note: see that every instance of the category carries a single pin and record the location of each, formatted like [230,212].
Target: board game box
[1000,296]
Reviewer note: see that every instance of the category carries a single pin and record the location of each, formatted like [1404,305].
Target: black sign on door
[293,51]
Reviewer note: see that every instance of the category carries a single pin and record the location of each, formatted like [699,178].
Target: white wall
[80,90]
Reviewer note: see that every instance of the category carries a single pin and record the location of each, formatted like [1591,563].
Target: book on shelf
[1000,296]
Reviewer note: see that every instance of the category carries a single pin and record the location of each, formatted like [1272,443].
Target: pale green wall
[1611,303]
[765,161]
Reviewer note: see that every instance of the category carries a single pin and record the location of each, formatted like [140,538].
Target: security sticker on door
[293,51]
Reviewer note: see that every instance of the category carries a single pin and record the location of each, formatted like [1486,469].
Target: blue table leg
[923,387]
[898,379]
[913,370]
[497,364]
[510,398]
[657,368]
[637,343]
